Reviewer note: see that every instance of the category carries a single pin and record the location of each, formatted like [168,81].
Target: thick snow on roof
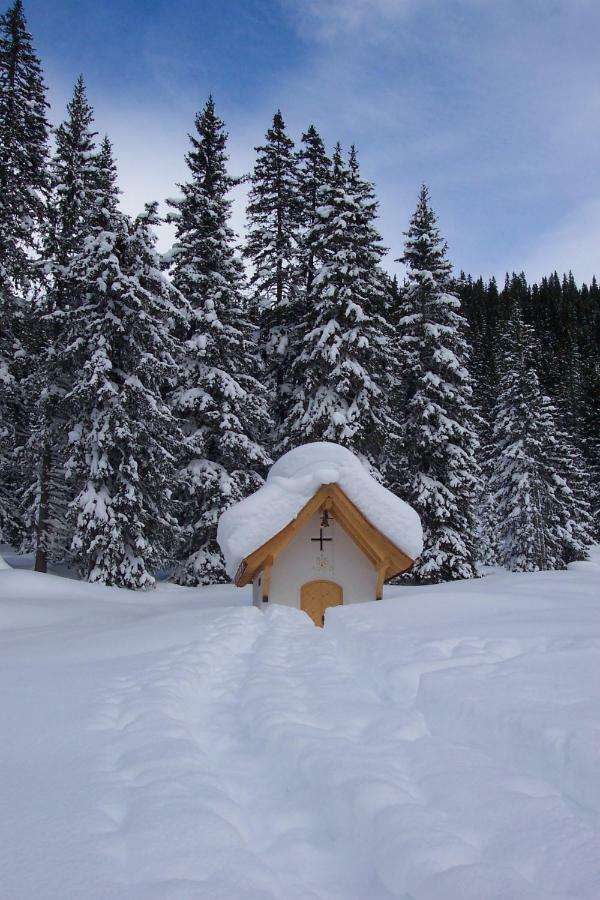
[292,481]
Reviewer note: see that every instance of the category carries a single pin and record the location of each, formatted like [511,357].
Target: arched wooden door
[316,596]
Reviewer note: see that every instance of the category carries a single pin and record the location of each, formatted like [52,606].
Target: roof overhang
[385,556]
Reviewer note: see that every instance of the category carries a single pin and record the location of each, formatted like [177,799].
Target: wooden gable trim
[252,564]
[353,527]
[379,550]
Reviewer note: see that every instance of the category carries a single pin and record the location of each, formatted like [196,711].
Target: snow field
[440,745]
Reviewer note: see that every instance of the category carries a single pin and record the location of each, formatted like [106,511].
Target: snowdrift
[440,745]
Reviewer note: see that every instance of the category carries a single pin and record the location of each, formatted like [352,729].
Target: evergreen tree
[314,170]
[75,189]
[220,400]
[395,296]
[565,322]
[71,212]
[23,153]
[518,485]
[542,519]
[439,472]
[570,485]
[123,439]
[272,247]
[7,443]
[480,304]
[23,186]
[339,376]
[590,432]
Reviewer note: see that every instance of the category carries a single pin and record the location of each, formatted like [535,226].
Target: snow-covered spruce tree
[570,483]
[71,208]
[591,438]
[23,186]
[220,401]
[566,323]
[438,471]
[542,519]
[273,215]
[486,519]
[339,375]
[123,439]
[479,305]
[313,172]
[384,308]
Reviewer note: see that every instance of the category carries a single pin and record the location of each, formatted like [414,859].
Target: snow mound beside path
[291,483]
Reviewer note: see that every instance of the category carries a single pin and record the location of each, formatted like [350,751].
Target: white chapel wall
[301,561]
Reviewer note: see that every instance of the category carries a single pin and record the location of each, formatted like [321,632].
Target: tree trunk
[41,553]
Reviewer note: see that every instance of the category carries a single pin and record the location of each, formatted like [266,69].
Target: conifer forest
[141,393]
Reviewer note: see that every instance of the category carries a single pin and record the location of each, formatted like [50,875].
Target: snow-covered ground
[441,745]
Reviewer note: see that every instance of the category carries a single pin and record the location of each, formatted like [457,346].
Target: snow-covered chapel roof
[293,481]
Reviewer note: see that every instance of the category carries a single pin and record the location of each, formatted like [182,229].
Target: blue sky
[495,104]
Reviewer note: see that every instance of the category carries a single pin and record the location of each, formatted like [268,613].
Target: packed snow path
[440,746]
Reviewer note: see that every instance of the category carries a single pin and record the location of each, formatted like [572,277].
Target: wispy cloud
[494,103]
[326,18]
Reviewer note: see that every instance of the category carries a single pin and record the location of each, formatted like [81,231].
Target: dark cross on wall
[321,539]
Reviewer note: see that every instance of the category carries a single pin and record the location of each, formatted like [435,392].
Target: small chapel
[320,532]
